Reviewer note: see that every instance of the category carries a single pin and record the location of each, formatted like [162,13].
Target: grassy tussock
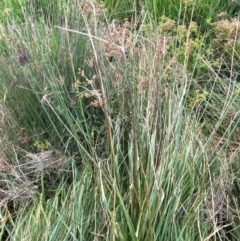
[119,129]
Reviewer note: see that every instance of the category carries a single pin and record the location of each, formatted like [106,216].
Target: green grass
[119,130]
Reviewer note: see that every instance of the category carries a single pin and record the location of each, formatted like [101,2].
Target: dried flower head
[189,44]
[227,30]
[168,25]
[193,27]
[85,95]
[119,39]
[182,31]
[96,103]
[94,7]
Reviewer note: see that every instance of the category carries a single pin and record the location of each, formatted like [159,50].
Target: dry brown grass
[20,171]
